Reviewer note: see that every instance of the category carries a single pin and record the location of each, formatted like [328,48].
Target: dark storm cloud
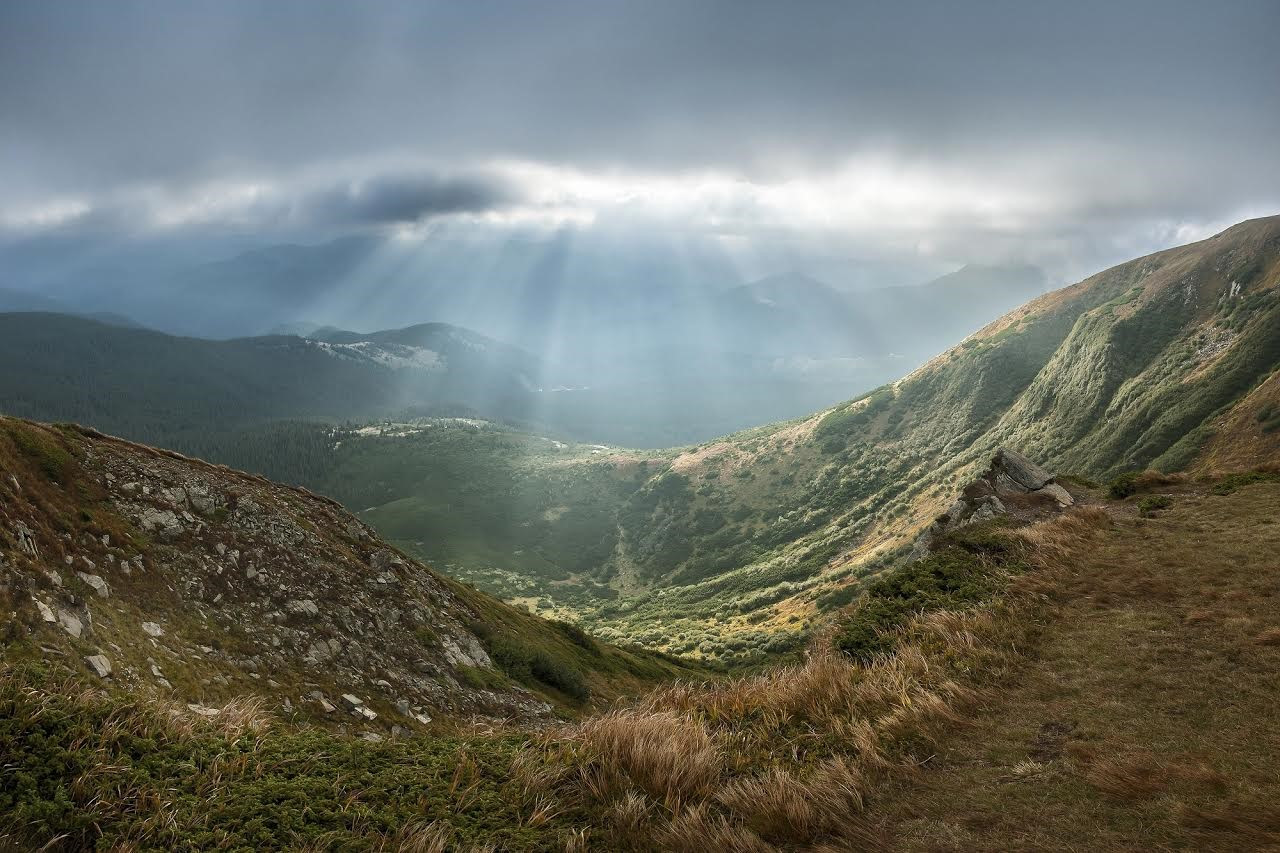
[404,199]
[1124,111]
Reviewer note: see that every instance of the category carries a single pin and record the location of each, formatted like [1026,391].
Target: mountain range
[265,670]
[1168,361]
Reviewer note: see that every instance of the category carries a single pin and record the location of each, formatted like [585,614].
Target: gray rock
[163,522]
[302,607]
[99,585]
[99,664]
[46,612]
[151,629]
[1061,495]
[1020,469]
[464,651]
[350,701]
[70,623]
[26,539]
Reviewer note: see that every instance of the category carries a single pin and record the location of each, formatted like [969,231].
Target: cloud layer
[935,127]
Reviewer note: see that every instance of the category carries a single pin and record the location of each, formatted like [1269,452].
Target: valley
[734,549]
[639,427]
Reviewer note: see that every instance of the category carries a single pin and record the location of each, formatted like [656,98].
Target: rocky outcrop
[1011,481]
[212,584]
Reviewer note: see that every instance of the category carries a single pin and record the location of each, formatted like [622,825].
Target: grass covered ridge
[688,767]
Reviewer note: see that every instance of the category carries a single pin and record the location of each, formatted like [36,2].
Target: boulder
[302,607]
[1061,495]
[151,629]
[1019,470]
[99,664]
[70,623]
[163,522]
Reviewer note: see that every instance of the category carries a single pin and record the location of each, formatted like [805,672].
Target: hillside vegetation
[736,547]
[1084,695]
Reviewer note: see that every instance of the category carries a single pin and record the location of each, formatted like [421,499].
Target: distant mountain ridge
[168,389]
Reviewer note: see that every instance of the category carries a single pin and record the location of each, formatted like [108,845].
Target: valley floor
[1146,716]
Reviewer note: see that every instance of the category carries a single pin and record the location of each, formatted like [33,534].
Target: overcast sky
[1066,133]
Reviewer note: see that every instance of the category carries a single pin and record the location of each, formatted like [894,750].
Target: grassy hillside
[737,546]
[193,393]
[1001,718]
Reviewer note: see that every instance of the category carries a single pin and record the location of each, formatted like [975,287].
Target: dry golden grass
[1141,715]
[789,757]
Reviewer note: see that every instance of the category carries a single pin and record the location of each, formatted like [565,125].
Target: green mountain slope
[734,545]
[187,392]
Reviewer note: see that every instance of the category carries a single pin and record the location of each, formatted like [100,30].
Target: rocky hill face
[170,575]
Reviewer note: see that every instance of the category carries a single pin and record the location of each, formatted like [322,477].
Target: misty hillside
[648,372]
[184,391]
[725,548]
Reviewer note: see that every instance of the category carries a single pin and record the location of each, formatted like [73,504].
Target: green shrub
[576,635]
[1123,486]
[1235,481]
[955,576]
[1152,503]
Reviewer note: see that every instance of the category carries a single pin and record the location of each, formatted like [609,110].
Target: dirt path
[1149,715]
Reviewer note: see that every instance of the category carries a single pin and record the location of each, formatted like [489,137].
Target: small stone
[99,585]
[70,623]
[302,607]
[326,705]
[155,670]
[54,577]
[99,664]
[26,538]
[372,737]
[202,710]
[351,701]
[46,612]
[366,712]
[151,629]
[422,718]
[402,707]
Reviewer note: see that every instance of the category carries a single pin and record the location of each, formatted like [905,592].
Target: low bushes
[960,574]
